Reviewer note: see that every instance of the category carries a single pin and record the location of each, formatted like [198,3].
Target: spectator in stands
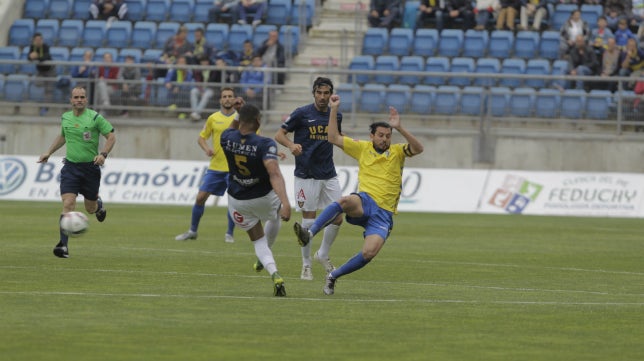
[615,10]
[45,73]
[430,9]
[247,53]
[256,8]
[574,26]
[640,34]
[86,71]
[623,33]
[228,7]
[537,10]
[632,60]
[106,84]
[600,35]
[176,45]
[459,9]
[610,63]
[205,81]
[253,79]
[179,82]
[272,53]
[384,13]
[638,13]
[109,10]
[484,10]
[507,14]
[200,47]
[583,61]
[131,86]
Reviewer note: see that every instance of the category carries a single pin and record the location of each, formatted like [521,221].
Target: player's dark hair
[376,125]
[320,81]
[248,114]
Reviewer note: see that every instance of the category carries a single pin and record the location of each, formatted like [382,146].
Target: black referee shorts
[83,178]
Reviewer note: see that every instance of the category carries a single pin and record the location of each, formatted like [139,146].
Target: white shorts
[246,213]
[314,194]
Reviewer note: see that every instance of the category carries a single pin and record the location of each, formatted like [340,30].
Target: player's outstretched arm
[415,145]
[334,136]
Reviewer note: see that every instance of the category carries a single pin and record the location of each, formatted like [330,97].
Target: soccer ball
[74,224]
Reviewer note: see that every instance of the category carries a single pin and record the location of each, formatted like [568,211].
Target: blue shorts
[83,178]
[375,220]
[214,182]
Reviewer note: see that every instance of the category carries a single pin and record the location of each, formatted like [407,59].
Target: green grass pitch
[445,287]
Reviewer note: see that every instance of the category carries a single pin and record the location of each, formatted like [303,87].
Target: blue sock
[355,263]
[197,212]
[231,224]
[63,237]
[326,217]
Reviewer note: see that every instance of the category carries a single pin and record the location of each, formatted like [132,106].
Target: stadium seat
[9,53]
[410,12]
[537,67]
[501,44]
[499,101]
[348,96]
[411,63]
[98,54]
[136,53]
[261,34]
[1,86]
[157,10]
[60,9]
[547,103]
[375,41]
[362,62]
[49,28]
[561,14]
[60,53]
[450,43]
[136,10]
[118,35]
[290,38]
[590,14]
[201,11]
[302,13]
[400,41]
[143,34]
[549,45]
[561,67]
[70,32]
[21,31]
[80,9]
[29,67]
[487,66]
[598,104]
[437,64]
[512,66]
[76,53]
[159,94]
[398,96]
[475,43]
[35,9]
[526,44]
[165,30]
[573,103]
[151,55]
[447,99]
[192,27]
[181,10]
[461,65]
[217,35]
[425,42]
[472,100]
[278,12]
[35,92]
[372,98]
[237,35]
[94,33]
[386,63]
[522,102]
[422,98]
[15,87]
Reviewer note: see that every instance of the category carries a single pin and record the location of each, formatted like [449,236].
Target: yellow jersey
[215,124]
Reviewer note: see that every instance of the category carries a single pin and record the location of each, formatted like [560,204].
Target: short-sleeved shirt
[82,134]
[215,125]
[379,174]
[248,177]
[309,127]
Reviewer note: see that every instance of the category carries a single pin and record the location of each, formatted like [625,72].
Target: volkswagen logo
[12,174]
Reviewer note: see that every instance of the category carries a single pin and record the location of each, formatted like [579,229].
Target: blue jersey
[309,127]
[245,155]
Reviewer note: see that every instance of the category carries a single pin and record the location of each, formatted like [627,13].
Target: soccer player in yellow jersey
[216,179]
[380,167]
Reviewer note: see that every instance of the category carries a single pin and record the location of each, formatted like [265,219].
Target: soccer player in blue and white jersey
[316,181]
[256,191]
[380,169]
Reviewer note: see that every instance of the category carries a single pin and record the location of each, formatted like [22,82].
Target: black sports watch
[104,154]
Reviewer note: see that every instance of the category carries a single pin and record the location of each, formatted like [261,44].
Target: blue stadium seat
[410,12]
[118,35]
[35,9]
[98,54]
[49,28]
[411,63]
[598,104]
[9,53]
[472,100]
[15,87]
[522,102]
[60,53]
[29,67]
[151,55]
[144,34]
[375,41]
[261,34]
[501,44]
[386,63]
[302,13]
[181,10]
[400,41]
[290,38]
[487,66]
[573,103]
[21,31]
[76,54]
[549,45]
[547,103]
[349,95]
[447,99]
[237,35]
[537,67]
[165,30]
[372,98]
[1,86]
[590,14]
[278,12]
[437,64]
[80,9]
[35,92]
[192,27]
[157,10]
[561,67]
[461,65]
[362,62]
[70,33]
[451,42]
[136,53]
[159,95]
[475,43]
[201,11]
[60,9]
[94,33]
[422,99]
[136,10]
[499,101]
[398,96]
[512,66]
[526,44]
[561,14]
[425,42]
[217,35]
